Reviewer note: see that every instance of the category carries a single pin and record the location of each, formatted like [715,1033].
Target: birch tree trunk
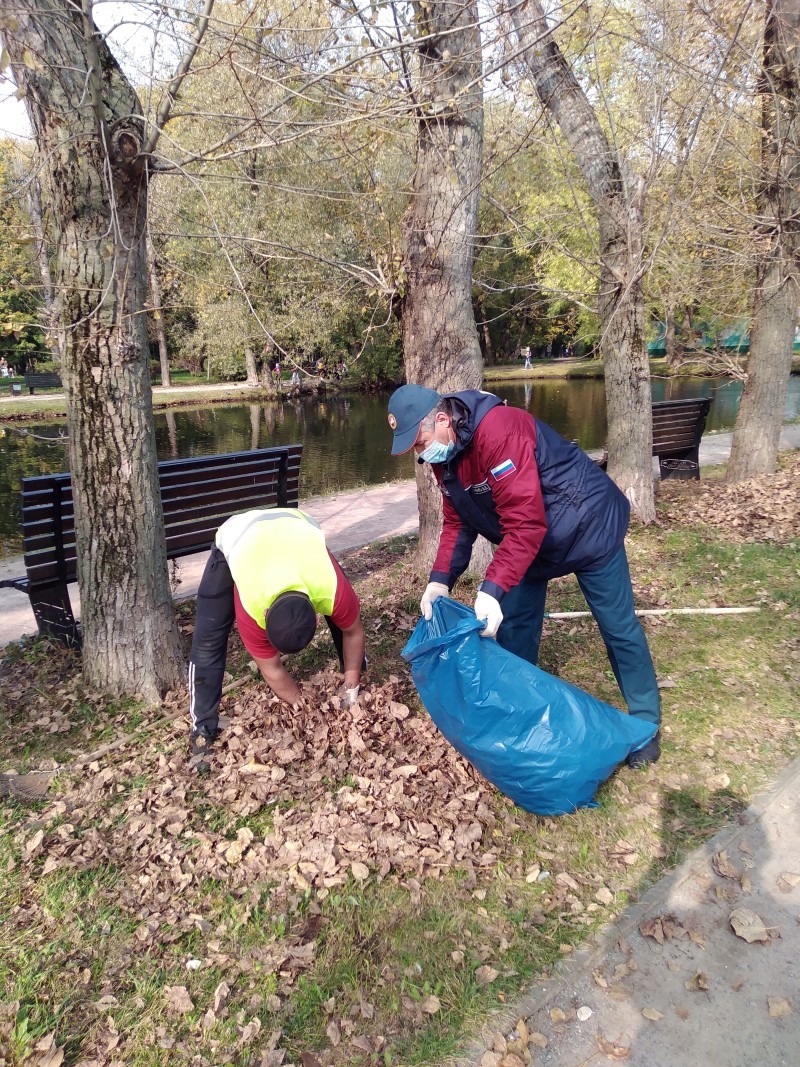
[777,237]
[85,117]
[619,201]
[440,339]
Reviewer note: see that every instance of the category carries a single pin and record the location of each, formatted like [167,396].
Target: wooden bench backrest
[678,424]
[197,496]
[43,380]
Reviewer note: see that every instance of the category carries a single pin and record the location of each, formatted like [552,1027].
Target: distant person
[526,352]
[549,509]
[295,377]
[271,571]
[3,367]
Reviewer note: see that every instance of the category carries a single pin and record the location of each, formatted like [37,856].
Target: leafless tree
[618,198]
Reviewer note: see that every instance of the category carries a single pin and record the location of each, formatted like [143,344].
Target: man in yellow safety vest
[271,571]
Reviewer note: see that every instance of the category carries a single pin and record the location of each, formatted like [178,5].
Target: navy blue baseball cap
[291,621]
[408,406]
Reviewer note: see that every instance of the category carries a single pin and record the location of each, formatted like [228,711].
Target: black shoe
[644,756]
[200,745]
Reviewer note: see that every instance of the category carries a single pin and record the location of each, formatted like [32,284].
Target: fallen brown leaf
[698,982]
[723,866]
[662,928]
[747,925]
[779,1007]
[178,999]
[611,1049]
[49,1053]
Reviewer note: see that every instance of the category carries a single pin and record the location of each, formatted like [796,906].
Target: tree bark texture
[157,308]
[777,241]
[440,338]
[619,201]
[84,115]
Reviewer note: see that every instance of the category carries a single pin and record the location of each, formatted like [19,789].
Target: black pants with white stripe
[212,627]
[213,622]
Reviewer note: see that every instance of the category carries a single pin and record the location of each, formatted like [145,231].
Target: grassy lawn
[341,888]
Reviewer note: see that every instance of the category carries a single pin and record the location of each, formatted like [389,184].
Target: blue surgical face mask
[436,452]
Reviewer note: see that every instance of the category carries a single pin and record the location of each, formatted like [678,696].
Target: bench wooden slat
[45,380]
[198,494]
[678,426]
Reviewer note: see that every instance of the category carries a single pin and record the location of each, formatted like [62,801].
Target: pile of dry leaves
[351,792]
[766,508]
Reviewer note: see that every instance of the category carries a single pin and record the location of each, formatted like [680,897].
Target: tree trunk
[619,200]
[49,311]
[251,365]
[157,309]
[777,239]
[440,339]
[672,350]
[84,116]
[489,354]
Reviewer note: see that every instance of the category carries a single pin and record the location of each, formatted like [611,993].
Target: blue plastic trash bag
[541,741]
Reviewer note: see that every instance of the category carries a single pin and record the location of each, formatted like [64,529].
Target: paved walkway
[349,520]
[711,998]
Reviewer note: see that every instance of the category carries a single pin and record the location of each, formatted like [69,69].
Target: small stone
[584,1013]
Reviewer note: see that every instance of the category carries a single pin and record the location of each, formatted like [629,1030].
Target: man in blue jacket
[549,509]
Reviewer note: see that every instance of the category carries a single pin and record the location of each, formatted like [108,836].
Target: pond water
[346,439]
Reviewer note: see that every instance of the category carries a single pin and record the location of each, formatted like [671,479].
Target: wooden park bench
[678,426]
[197,495]
[47,380]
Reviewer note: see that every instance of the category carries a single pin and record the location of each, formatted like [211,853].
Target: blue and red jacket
[541,500]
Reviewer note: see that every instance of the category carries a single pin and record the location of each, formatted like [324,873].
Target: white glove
[433,590]
[486,607]
[351,696]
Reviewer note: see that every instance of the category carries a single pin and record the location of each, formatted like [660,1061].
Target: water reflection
[346,439]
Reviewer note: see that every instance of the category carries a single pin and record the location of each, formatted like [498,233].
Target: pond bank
[44,406]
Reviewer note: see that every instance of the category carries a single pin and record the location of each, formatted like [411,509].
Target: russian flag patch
[502,470]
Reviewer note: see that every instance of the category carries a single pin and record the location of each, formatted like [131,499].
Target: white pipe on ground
[657,611]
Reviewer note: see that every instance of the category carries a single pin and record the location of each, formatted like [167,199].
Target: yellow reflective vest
[275,550]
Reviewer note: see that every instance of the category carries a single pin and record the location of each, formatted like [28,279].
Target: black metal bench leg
[53,613]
